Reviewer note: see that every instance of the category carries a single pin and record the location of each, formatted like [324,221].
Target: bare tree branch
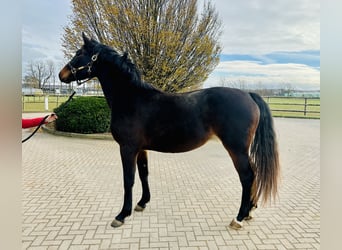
[39,73]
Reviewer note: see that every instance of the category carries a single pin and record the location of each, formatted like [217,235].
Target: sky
[269,43]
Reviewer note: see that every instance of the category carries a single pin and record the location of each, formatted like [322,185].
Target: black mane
[124,65]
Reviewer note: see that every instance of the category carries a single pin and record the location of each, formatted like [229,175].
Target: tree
[172,45]
[39,73]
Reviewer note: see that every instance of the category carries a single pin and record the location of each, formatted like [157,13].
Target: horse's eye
[78,52]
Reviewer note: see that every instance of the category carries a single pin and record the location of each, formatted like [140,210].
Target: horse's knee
[128,183]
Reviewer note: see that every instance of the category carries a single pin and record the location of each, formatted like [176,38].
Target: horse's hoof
[139,208]
[116,223]
[251,214]
[235,224]
[249,217]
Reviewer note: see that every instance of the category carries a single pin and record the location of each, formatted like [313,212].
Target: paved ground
[72,189]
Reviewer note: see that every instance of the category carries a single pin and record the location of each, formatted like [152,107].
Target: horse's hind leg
[143,174]
[246,175]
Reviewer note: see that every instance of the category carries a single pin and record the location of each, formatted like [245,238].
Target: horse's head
[81,66]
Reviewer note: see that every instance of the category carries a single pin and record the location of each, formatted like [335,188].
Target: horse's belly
[177,143]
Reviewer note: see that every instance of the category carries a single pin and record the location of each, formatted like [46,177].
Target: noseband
[89,65]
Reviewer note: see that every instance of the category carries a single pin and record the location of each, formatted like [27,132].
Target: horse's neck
[118,92]
[107,86]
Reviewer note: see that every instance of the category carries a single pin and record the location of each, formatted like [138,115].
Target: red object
[31,122]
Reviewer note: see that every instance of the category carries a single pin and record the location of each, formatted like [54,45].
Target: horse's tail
[264,155]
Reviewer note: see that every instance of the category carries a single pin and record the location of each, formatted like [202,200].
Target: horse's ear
[125,55]
[86,40]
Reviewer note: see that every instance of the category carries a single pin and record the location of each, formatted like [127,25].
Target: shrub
[84,115]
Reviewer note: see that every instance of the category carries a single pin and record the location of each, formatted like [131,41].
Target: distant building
[29,91]
[305,93]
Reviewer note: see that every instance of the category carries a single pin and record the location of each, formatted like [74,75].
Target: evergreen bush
[84,115]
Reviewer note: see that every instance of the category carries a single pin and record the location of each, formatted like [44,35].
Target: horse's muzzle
[65,75]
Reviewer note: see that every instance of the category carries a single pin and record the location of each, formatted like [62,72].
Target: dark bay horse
[145,118]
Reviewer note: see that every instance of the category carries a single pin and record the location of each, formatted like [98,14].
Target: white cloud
[260,27]
[42,29]
[263,26]
[271,75]
[250,27]
[38,47]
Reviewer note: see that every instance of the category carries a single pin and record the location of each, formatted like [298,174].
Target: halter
[89,65]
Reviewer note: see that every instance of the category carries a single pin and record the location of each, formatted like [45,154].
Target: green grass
[37,103]
[294,107]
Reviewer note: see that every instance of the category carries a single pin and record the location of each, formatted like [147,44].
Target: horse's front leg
[128,157]
[143,174]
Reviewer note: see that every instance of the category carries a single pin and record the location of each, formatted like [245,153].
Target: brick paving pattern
[73,189]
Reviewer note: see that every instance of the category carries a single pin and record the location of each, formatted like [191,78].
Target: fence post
[46,101]
[305,103]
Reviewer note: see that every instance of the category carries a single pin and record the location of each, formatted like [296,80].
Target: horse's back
[217,108]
